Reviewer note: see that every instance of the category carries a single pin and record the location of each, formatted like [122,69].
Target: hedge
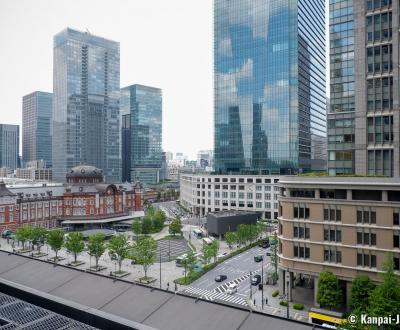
[283,303]
[298,306]
[275,293]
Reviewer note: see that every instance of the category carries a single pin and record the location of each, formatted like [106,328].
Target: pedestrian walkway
[173,248]
[222,288]
[214,295]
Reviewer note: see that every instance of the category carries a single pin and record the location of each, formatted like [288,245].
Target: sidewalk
[273,307]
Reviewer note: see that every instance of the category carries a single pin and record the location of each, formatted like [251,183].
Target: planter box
[23,251]
[76,264]
[148,280]
[95,270]
[39,255]
[119,275]
[53,259]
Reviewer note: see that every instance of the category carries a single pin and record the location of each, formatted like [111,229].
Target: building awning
[135,214]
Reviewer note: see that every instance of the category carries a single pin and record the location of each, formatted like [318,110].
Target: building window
[301,251]
[249,195]
[366,237]
[396,241]
[331,254]
[366,259]
[258,196]
[332,234]
[301,230]
[366,216]
[301,212]
[395,218]
[332,214]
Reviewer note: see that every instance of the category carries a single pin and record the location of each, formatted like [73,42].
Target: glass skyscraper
[36,127]
[9,146]
[269,86]
[364,117]
[144,104]
[86,104]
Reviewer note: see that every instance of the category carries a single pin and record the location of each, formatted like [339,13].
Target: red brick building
[84,201]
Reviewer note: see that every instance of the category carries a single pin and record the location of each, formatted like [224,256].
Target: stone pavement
[273,307]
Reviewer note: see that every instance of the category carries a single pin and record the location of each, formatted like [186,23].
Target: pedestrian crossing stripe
[224,287]
[212,296]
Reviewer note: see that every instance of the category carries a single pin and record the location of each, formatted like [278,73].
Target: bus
[198,233]
[325,318]
[180,261]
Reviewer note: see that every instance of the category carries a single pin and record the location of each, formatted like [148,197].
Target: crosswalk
[214,295]
[222,288]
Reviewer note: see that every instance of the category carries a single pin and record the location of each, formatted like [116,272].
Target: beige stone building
[346,225]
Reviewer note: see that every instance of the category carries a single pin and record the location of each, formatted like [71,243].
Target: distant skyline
[165,44]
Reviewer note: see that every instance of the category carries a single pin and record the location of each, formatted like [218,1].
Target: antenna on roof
[87,31]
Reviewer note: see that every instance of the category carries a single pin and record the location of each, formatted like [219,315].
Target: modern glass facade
[36,127]
[363,119]
[144,104]
[269,86]
[86,122]
[341,116]
[9,146]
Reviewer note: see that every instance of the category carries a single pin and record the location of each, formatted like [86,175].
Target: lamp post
[287,293]
[251,291]
[262,285]
[160,268]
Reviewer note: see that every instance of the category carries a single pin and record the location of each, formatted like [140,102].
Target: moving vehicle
[180,261]
[268,253]
[258,258]
[207,240]
[232,288]
[221,255]
[328,319]
[198,233]
[264,243]
[220,278]
[256,279]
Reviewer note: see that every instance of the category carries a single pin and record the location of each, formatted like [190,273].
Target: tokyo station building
[84,201]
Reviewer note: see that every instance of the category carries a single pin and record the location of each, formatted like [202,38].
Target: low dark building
[218,223]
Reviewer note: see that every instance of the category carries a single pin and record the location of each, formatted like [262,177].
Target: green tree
[214,246]
[97,247]
[23,234]
[175,227]
[274,254]
[38,237]
[74,244]
[230,238]
[158,196]
[55,238]
[329,293]
[360,292]
[385,299]
[146,225]
[137,228]
[209,251]
[118,249]
[144,253]
[158,220]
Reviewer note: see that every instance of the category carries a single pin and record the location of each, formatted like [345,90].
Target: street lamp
[287,294]
[262,284]
[160,267]
[251,291]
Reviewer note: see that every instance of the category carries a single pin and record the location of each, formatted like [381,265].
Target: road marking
[212,295]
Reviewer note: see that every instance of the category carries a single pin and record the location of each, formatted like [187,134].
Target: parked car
[221,255]
[220,278]
[268,253]
[7,233]
[258,258]
[256,279]
[232,288]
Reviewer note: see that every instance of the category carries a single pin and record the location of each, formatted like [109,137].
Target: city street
[237,270]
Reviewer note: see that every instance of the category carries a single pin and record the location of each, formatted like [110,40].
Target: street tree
[360,292]
[230,238]
[147,225]
[329,293]
[158,220]
[96,247]
[274,255]
[23,234]
[241,232]
[119,249]
[214,246]
[137,228]
[175,227]
[158,196]
[74,244]
[55,239]
[385,299]
[38,237]
[145,252]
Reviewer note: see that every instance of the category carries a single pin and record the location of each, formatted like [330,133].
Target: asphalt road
[237,269]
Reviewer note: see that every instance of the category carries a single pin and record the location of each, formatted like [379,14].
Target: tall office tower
[9,146]
[363,119]
[144,104]
[86,104]
[36,127]
[126,137]
[269,86]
